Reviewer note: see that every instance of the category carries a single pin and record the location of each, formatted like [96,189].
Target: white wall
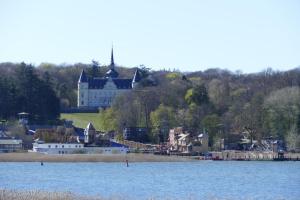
[56,148]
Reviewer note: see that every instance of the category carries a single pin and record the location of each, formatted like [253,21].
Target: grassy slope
[82,119]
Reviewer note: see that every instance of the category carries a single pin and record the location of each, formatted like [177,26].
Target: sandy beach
[132,157]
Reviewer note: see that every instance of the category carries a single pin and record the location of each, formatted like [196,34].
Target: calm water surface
[194,180]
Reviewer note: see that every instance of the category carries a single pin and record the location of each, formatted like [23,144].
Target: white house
[95,92]
[10,145]
[74,148]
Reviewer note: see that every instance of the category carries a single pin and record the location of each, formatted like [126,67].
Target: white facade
[98,92]
[98,97]
[83,94]
[10,145]
[75,148]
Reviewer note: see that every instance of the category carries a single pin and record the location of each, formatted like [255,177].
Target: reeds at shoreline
[6,194]
[9,194]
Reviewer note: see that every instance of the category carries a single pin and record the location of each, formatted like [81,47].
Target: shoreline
[131,157]
[139,157]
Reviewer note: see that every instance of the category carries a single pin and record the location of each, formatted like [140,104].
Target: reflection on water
[195,180]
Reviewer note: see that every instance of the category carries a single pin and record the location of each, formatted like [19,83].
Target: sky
[188,35]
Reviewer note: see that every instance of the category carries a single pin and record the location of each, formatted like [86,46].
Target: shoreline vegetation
[9,194]
[6,194]
[138,157]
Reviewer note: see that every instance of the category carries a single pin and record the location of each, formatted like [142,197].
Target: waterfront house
[200,143]
[88,141]
[182,141]
[75,148]
[9,144]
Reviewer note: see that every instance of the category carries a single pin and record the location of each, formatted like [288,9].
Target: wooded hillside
[221,102]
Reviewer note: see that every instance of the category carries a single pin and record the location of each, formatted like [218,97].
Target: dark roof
[123,83]
[112,73]
[137,76]
[90,126]
[83,77]
[79,132]
[115,144]
[99,83]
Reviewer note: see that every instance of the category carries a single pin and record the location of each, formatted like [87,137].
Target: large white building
[95,92]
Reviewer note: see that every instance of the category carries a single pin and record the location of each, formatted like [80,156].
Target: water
[189,180]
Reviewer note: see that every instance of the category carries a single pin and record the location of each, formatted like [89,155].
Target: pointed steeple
[83,77]
[112,62]
[112,73]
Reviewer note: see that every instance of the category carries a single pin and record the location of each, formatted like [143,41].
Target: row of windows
[63,146]
[101,94]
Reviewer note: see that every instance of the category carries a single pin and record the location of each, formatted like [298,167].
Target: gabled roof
[97,83]
[123,83]
[137,76]
[90,126]
[112,73]
[183,136]
[83,78]
[79,132]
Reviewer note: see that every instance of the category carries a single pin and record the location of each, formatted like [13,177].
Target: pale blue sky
[183,34]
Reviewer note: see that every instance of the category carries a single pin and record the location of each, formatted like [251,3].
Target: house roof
[182,136]
[137,76]
[202,135]
[83,77]
[79,132]
[90,126]
[99,83]
[123,83]
[112,73]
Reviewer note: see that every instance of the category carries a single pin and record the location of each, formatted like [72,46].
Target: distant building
[183,141]
[200,143]
[83,141]
[9,144]
[89,134]
[23,118]
[75,148]
[95,92]
[137,134]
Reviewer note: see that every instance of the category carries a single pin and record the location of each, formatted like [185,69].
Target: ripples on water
[194,180]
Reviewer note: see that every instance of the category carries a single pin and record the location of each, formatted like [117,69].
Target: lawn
[82,119]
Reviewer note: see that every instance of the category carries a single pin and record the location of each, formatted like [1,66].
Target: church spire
[112,62]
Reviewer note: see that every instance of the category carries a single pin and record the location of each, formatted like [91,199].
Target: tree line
[22,89]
